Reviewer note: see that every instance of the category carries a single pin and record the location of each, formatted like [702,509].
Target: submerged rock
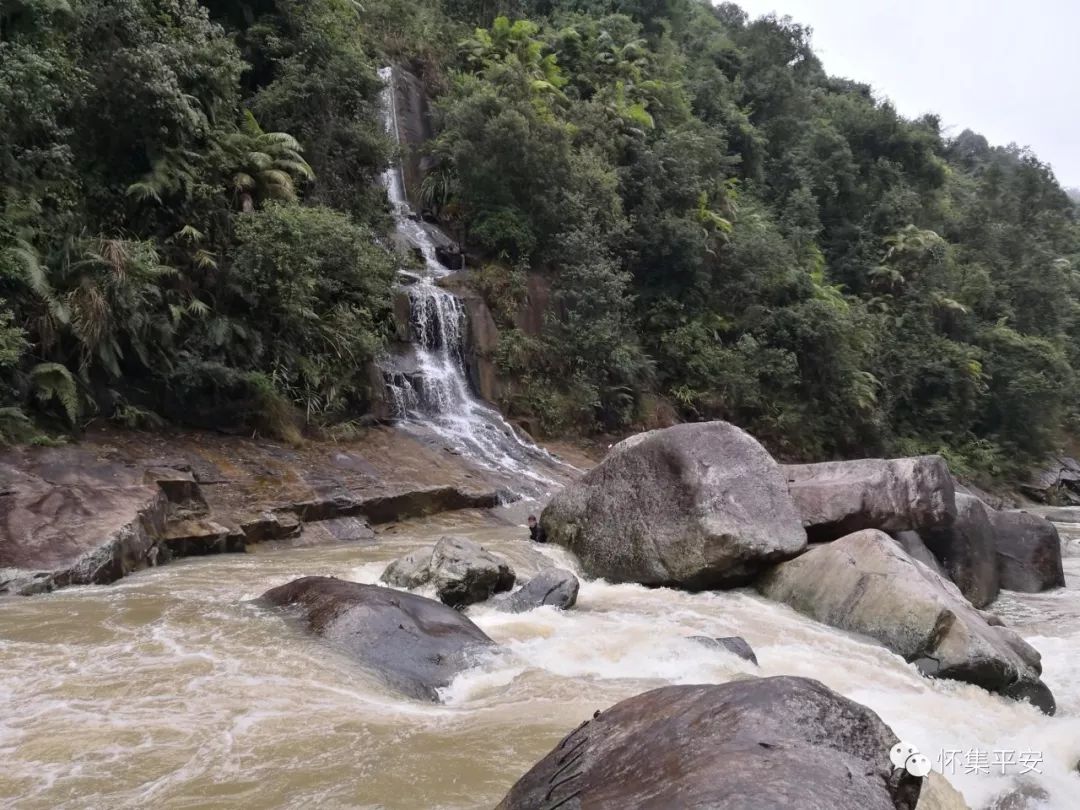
[465,572]
[696,506]
[967,550]
[865,583]
[782,742]
[556,587]
[836,498]
[1028,552]
[734,644]
[416,645]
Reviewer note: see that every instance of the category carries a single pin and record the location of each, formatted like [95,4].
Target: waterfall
[430,389]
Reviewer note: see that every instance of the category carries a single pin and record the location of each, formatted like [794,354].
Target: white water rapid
[434,395]
[171,690]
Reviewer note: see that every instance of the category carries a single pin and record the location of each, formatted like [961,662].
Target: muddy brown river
[171,689]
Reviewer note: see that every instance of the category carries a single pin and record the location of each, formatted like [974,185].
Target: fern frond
[54,381]
[191,234]
[198,308]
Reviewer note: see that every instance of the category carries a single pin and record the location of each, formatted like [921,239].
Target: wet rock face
[416,645]
[119,501]
[865,583]
[763,743]
[967,550]
[1028,552]
[465,572]
[695,506]
[837,498]
[554,587]
[68,518]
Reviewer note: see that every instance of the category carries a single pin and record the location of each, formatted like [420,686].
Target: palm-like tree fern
[264,165]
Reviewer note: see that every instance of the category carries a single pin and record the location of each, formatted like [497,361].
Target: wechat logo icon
[905,755]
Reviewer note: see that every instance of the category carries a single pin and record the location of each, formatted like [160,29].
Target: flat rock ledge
[89,515]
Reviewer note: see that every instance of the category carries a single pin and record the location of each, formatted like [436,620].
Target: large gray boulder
[416,645]
[554,587]
[1028,552]
[780,742]
[865,583]
[836,498]
[696,506]
[465,572]
[967,550]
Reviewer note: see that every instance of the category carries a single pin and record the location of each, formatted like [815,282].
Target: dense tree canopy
[189,224]
[727,226]
[163,245]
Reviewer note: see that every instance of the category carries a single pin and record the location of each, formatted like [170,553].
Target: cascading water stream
[434,393]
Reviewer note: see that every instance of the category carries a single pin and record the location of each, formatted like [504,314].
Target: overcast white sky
[1006,69]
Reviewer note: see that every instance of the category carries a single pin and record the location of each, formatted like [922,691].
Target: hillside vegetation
[190,225]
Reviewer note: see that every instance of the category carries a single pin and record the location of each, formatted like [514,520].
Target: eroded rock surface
[70,518]
[121,501]
[837,498]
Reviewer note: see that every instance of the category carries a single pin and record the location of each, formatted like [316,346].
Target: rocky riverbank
[117,502]
[891,552]
[705,506]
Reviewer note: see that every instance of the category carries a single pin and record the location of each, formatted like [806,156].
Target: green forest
[191,228]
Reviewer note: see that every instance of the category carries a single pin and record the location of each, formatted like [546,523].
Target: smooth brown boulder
[865,583]
[837,498]
[1028,552]
[694,506]
[780,742]
[967,550]
[416,645]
